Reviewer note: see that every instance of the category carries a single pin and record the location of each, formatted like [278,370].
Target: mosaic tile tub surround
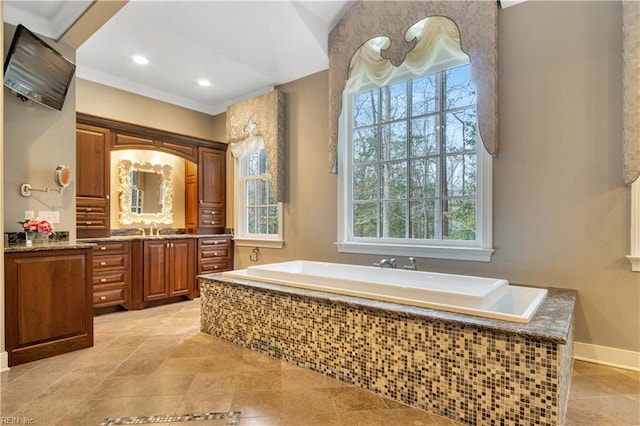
[470,369]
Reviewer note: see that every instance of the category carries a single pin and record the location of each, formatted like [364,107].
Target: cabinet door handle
[88,209]
[167,245]
[171,245]
[200,202]
[103,263]
[215,242]
[103,248]
[103,280]
[103,297]
[215,266]
[213,222]
[88,222]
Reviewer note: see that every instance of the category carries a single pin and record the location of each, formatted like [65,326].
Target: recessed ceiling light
[141,60]
[204,83]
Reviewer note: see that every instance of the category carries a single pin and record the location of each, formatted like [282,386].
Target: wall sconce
[61,176]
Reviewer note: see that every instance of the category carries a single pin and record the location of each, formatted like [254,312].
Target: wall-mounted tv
[36,71]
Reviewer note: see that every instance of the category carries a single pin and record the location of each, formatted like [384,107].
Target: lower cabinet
[168,268]
[215,254]
[48,303]
[111,282]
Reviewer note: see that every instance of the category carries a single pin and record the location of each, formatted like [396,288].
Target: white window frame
[478,250]
[241,237]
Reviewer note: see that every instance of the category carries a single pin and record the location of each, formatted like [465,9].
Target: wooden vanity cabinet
[212,188]
[215,254]
[190,198]
[92,181]
[168,268]
[111,274]
[48,302]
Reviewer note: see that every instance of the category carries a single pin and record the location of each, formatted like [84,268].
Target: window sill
[432,252]
[254,242]
[635,263]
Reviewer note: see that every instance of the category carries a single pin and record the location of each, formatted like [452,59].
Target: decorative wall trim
[631,89]
[4,361]
[478,24]
[604,355]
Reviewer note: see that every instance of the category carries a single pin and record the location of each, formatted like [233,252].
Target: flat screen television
[36,71]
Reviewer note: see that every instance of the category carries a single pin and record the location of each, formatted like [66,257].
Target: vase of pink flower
[36,229]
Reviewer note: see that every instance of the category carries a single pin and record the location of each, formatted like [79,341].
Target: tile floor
[156,361]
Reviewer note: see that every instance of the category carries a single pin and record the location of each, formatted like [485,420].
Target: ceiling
[243,48]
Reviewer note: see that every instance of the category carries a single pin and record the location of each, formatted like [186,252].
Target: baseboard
[4,361]
[613,357]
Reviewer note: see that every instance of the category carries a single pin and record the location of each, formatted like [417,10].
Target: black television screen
[36,71]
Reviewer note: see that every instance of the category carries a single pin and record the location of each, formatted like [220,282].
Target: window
[415,177]
[259,219]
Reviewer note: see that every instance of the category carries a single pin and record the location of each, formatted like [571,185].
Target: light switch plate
[51,216]
[29,214]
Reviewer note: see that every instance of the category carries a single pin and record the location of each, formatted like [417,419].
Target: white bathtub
[486,297]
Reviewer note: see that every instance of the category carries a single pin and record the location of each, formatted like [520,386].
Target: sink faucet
[386,263]
[412,264]
[151,226]
[141,231]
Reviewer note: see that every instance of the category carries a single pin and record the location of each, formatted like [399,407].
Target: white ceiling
[243,47]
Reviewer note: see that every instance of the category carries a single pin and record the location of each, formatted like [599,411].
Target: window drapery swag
[266,114]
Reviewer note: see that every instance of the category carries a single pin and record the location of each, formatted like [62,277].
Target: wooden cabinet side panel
[48,304]
[191,198]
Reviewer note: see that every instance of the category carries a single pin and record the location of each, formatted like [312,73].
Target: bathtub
[485,297]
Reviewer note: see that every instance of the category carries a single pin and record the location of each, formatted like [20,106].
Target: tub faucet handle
[412,264]
[386,263]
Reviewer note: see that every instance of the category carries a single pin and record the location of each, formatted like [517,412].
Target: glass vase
[29,237]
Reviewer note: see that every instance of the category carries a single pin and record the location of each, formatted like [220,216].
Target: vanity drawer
[211,217]
[115,277]
[214,265]
[110,248]
[108,297]
[92,222]
[213,242]
[114,261]
[208,252]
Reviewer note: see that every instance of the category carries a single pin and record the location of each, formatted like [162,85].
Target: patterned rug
[231,418]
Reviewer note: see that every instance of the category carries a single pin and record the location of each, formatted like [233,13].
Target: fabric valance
[259,122]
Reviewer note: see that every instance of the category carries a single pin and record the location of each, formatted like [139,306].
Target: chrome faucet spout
[386,263]
[412,264]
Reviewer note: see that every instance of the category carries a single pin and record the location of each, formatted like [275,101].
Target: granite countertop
[553,321]
[57,245]
[151,237]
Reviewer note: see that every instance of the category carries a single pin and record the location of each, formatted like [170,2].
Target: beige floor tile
[258,404]
[209,402]
[155,405]
[156,361]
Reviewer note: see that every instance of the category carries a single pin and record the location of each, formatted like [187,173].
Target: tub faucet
[412,264]
[151,226]
[386,263]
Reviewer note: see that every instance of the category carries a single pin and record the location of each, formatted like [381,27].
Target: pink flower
[38,225]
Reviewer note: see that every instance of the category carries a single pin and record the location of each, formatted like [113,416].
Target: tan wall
[104,101]
[36,140]
[561,211]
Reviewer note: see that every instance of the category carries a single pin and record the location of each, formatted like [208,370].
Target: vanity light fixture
[204,83]
[140,60]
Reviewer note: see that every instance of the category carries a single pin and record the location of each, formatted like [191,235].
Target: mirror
[146,193]
[62,176]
